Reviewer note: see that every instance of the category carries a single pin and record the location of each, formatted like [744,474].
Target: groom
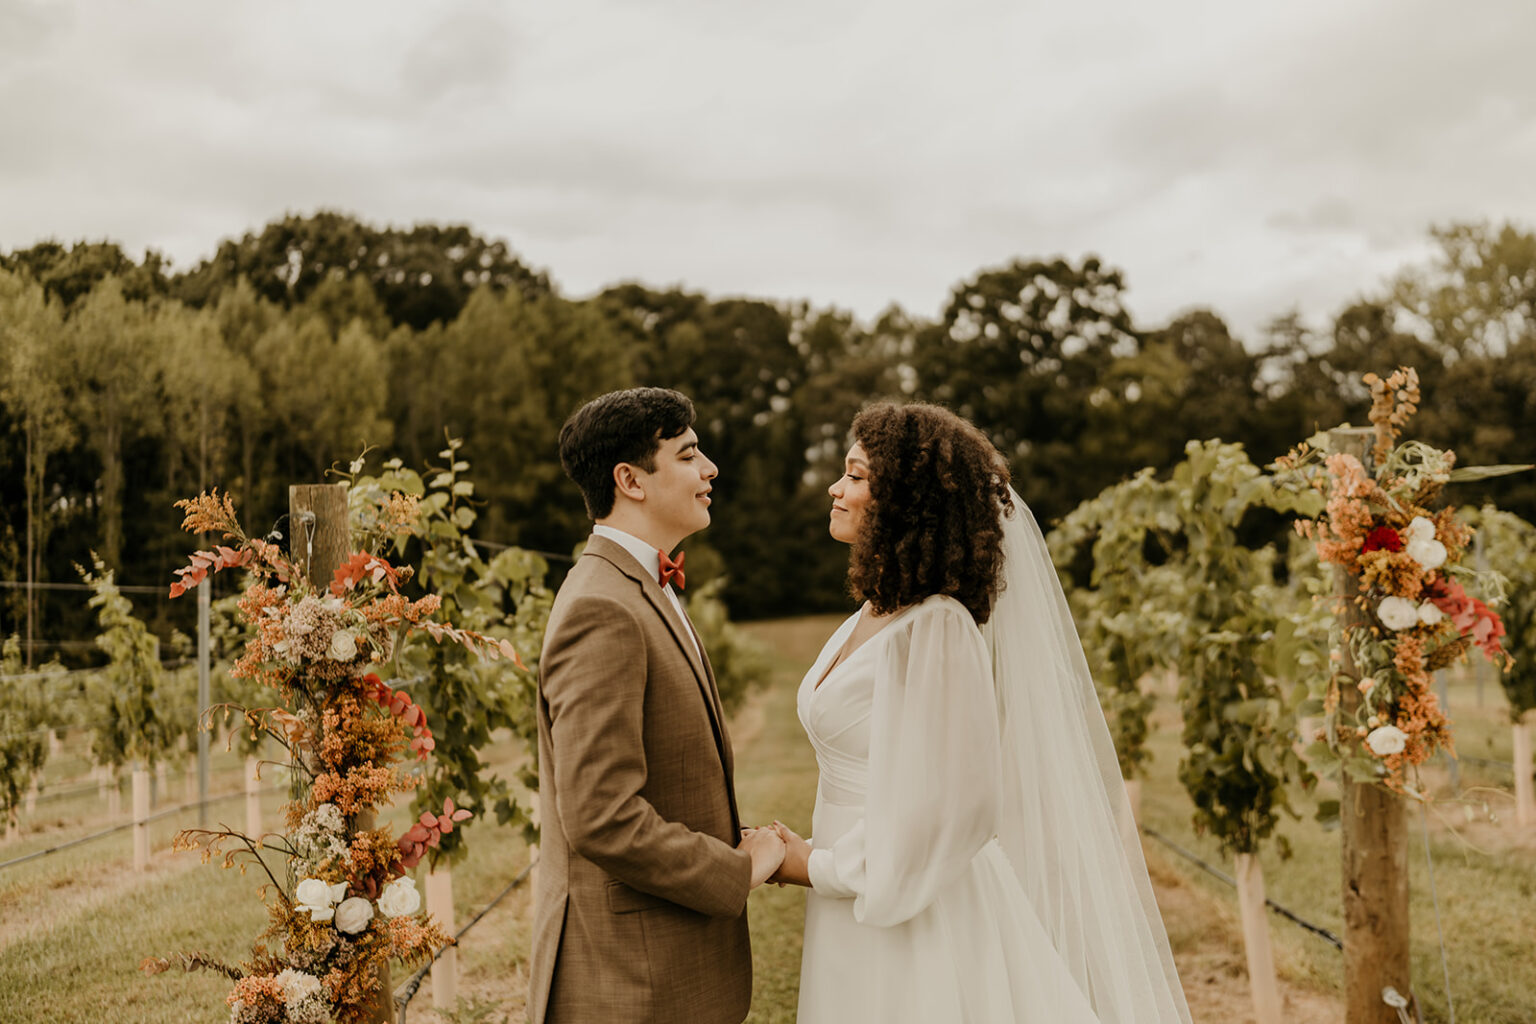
[640,908]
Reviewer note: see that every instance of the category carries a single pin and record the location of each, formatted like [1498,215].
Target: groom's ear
[626,482]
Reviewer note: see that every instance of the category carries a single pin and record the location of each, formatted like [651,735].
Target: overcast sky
[1249,157]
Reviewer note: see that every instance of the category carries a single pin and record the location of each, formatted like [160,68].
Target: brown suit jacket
[641,895]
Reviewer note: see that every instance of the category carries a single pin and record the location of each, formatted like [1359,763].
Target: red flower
[1382,538]
[1469,615]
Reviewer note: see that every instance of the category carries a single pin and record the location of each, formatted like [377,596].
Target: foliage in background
[452,331]
[1127,622]
[470,699]
[1509,546]
[1174,585]
[24,720]
[740,663]
[125,696]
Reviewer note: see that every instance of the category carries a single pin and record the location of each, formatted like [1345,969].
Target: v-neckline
[842,658]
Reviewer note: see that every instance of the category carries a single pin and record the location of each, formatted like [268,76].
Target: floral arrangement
[347,908]
[1376,523]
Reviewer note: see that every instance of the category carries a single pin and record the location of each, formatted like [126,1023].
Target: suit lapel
[682,633]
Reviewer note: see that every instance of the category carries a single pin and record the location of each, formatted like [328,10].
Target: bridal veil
[1065,822]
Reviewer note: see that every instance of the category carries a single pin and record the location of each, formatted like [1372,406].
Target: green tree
[110,341]
[1021,351]
[32,388]
[132,724]
[421,275]
[68,274]
[23,729]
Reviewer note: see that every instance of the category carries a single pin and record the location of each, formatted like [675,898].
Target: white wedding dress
[915,912]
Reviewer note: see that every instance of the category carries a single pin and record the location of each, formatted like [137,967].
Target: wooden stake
[318,533]
[1525,793]
[140,818]
[252,797]
[1261,959]
[1375,839]
[445,972]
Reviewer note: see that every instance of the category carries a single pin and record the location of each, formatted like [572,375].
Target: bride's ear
[627,482]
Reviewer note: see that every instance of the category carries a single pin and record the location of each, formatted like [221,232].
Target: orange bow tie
[672,572]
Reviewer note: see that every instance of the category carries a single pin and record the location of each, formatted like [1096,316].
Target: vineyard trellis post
[204,724]
[1374,825]
[319,542]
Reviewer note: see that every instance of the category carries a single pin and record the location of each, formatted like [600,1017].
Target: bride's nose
[836,489]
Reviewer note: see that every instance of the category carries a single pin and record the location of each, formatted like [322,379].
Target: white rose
[1388,739]
[297,986]
[1397,613]
[1430,613]
[312,892]
[343,646]
[400,898]
[320,915]
[1428,553]
[353,915]
[1420,529]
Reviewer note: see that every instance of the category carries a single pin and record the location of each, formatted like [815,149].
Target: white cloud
[1250,158]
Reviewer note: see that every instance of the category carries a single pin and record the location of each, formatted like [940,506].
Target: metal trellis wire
[1289,915]
[406,992]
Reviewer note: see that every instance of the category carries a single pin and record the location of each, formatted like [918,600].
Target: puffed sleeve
[934,770]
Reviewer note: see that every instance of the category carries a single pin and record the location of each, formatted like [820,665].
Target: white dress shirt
[650,562]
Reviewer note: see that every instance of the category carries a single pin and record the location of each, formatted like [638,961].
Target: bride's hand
[766,849]
[797,853]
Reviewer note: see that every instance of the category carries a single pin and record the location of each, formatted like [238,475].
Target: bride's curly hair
[938,494]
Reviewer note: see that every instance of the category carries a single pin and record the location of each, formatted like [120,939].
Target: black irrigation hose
[405,993]
[129,824]
[1277,908]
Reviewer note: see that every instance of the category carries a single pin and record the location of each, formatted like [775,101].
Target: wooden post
[1261,958]
[114,793]
[140,817]
[320,540]
[204,666]
[445,972]
[32,798]
[253,797]
[189,779]
[55,745]
[1375,837]
[1525,796]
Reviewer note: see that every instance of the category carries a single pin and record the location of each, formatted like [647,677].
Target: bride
[972,856]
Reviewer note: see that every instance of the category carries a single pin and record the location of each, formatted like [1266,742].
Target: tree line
[124,386]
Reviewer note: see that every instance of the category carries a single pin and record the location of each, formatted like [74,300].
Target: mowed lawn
[74,925]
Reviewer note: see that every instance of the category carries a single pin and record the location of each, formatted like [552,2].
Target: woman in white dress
[972,857]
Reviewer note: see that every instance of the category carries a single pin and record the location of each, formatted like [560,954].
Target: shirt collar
[648,557]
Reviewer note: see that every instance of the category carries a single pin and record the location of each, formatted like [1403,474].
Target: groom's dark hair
[621,426]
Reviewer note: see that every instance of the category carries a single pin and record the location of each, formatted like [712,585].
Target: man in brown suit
[640,906]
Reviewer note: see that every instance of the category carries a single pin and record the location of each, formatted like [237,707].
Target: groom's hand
[766,849]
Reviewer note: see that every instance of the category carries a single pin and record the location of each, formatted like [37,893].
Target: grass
[74,925]
[1484,874]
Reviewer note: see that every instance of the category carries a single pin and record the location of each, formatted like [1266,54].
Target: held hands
[766,849]
[795,870]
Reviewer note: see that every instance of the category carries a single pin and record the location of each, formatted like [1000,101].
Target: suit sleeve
[594,682]
[934,769]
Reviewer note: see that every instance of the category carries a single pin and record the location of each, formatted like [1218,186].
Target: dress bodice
[836,714]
